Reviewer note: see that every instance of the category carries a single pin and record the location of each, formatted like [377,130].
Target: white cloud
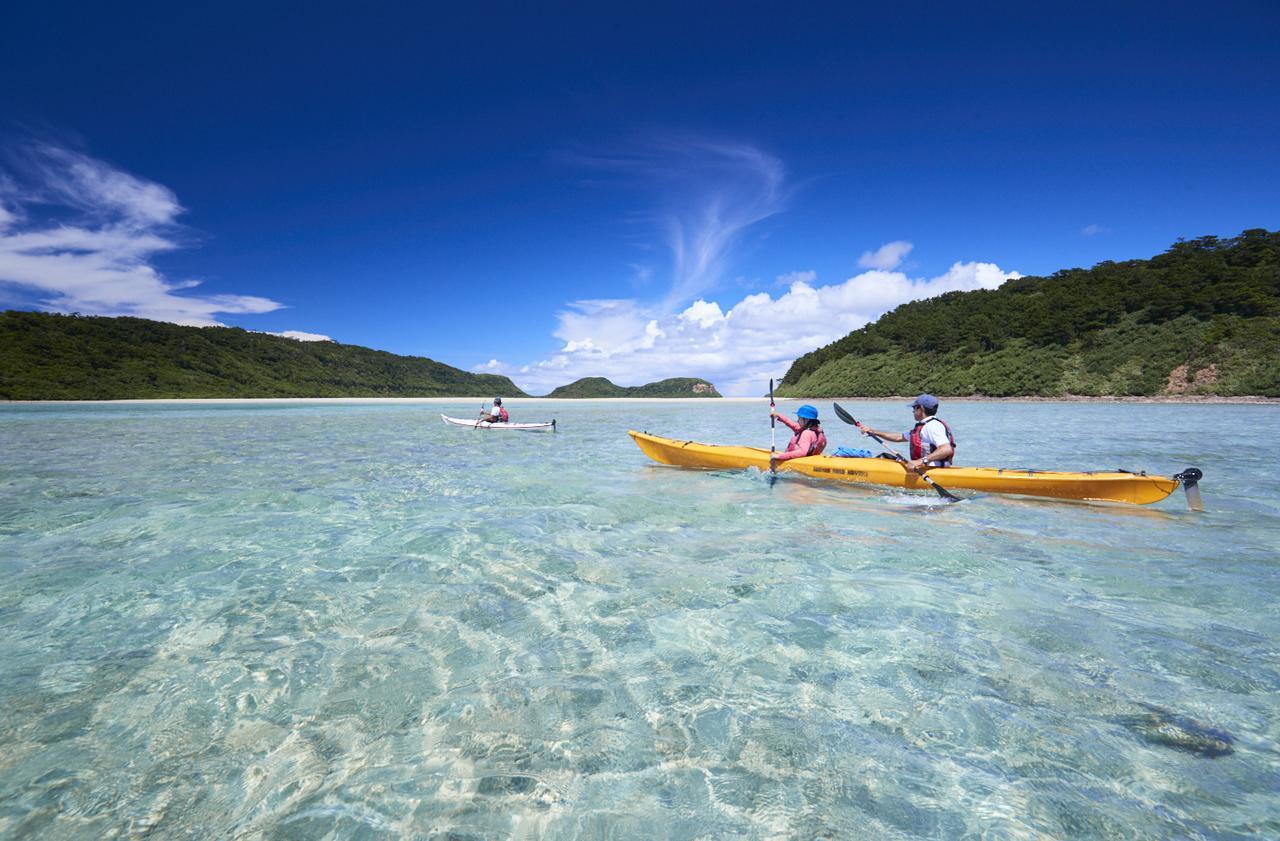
[75,180]
[92,248]
[888,256]
[703,314]
[1094,230]
[303,337]
[738,350]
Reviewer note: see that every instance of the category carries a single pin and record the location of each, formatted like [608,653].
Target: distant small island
[600,387]
[68,357]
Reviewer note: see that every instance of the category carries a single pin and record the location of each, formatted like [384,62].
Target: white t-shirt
[932,436]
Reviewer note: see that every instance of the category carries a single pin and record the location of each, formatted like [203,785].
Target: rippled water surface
[351,621]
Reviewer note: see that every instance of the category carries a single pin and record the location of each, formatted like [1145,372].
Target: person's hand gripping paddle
[942,492]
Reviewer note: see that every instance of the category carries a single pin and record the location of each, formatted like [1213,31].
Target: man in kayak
[497,414]
[932,444]
[809,439]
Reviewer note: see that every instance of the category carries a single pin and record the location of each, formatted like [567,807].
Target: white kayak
[479,424]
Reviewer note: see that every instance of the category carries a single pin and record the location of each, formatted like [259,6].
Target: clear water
[351,621]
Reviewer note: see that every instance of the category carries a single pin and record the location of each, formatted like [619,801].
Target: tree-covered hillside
[601,387]
[63,357]
[1201,318]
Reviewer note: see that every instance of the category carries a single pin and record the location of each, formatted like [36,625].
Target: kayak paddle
[942,492]
[773,437]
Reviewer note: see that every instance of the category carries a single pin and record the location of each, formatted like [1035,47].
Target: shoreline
[1158,399]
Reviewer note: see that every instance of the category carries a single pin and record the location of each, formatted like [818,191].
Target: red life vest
[917,445]
[501,413]
[818,445]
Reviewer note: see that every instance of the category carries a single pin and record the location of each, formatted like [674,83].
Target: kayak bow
[1108,486]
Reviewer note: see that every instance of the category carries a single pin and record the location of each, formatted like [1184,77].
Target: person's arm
[896,437]
[790,424]
[807,440]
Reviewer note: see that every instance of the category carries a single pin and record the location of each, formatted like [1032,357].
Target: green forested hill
[63,357]
[1201,318]
[601,387]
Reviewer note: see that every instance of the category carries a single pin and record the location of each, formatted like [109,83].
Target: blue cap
[807,412]
[497,401]
[927,402]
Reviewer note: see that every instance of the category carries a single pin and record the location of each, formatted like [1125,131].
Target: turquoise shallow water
[351,621]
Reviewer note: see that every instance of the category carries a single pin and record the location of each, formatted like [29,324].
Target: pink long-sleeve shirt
[802,442]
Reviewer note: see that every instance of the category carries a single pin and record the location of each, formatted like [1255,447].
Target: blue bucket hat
[807,412]
[927,402]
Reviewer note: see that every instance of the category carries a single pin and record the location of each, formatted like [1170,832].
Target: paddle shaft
[773,436]
[848,418]
[773,423]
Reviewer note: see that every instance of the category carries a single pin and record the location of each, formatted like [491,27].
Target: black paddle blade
[943,492]
[843,415]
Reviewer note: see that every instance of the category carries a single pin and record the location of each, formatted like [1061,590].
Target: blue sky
[555,191]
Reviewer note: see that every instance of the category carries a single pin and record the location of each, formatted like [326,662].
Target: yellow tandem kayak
[1118,486]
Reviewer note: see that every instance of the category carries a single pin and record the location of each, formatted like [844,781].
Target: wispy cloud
[78,235]
[706,193]
[888,256]
[740,348]
[1094,230]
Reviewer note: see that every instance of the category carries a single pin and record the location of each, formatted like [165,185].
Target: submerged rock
[1161,727]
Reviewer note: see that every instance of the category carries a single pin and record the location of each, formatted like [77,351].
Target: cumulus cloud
[77,235]
[888,256]
[739,349]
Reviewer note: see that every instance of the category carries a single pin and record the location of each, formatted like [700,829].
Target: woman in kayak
[932,444]
[809,439]
[497,414]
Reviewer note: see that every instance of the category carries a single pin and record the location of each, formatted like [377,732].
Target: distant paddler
[932,444]
[808,440]
[497,414]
